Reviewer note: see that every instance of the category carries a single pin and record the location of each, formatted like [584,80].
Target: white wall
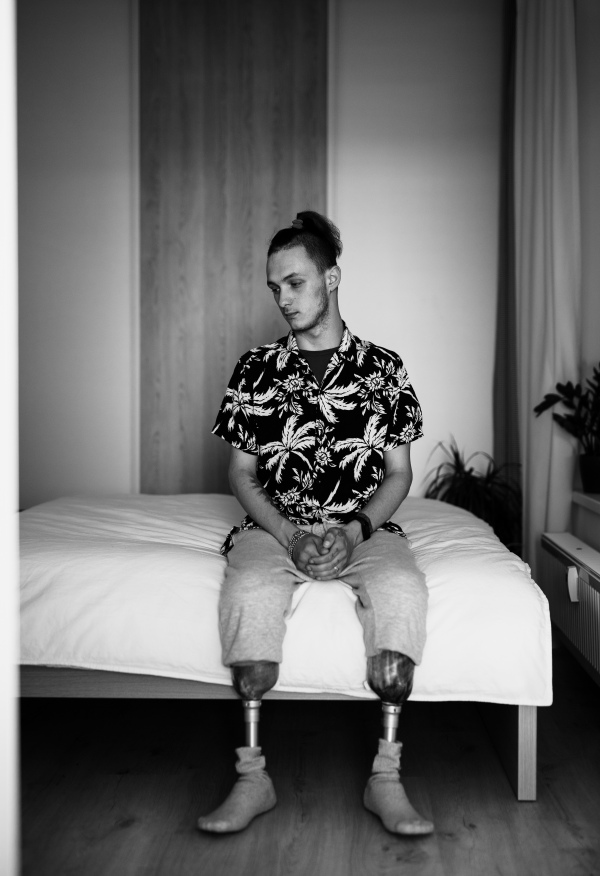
[588,85]
[414,187]
[414,161]
[78,248]
[9,544]
[414,167]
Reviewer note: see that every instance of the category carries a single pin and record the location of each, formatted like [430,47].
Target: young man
[320,425]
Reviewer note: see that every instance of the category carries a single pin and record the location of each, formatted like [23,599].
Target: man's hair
[316,233]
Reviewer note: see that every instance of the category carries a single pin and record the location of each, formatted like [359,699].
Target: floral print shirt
[319,447]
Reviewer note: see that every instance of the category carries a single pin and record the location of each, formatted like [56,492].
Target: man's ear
[332,278]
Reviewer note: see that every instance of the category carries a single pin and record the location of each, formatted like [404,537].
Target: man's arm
[254,499]
[256,502]
[391,492]
[340,540]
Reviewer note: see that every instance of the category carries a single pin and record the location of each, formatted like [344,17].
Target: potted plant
[582,420]
[493,495]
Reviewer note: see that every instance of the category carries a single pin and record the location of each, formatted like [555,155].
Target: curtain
[547,255]
[505,396]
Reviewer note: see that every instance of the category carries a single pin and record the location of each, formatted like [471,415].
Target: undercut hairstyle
[316,233]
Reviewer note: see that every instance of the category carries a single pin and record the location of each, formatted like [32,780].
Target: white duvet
[131,584]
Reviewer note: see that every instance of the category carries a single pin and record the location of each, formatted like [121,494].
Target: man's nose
[285,298]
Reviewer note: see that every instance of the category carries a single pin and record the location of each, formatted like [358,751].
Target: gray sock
[252,794]
[385,796]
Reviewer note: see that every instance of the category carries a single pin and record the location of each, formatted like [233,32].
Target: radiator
[570,578]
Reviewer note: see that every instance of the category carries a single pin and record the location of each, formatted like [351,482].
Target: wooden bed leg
[513,730]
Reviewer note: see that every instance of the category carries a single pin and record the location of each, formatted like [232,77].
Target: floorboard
[115,787]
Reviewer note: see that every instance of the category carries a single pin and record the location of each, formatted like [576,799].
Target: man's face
[299,289]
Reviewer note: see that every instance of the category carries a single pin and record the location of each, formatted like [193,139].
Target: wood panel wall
[233,143]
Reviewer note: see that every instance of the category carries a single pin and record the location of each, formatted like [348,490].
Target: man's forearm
[384,502]
[388,497]
[256,502]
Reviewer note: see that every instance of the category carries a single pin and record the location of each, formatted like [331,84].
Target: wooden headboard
[233,144]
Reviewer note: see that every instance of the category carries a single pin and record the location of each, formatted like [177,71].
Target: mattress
[131,584]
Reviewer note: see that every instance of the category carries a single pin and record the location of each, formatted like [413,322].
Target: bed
[119,598]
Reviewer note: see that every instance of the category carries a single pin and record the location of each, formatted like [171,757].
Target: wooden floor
[116,787]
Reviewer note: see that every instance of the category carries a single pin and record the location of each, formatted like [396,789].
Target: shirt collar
[346,350]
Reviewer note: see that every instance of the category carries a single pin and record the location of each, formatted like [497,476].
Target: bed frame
[513,729]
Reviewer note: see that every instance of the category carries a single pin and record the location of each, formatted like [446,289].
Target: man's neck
[323,337]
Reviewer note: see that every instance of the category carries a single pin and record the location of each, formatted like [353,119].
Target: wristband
[365,525]
[300,533]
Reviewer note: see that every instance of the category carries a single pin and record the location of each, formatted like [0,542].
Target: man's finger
[328,575]
[330,560]
[332,567]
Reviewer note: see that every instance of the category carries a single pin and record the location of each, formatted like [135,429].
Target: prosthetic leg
[253,793]
[390,675]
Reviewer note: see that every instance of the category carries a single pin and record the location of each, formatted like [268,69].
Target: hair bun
[316,233]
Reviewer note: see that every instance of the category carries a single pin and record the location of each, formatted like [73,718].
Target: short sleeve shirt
[320,447]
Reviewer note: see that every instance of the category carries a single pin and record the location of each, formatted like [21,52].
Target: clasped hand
[323,558]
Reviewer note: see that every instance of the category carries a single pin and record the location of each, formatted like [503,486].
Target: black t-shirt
[318,361]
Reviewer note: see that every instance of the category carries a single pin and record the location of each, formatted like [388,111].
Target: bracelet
[300,533]
[365,525]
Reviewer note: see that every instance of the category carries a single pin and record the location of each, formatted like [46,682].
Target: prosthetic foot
[253,793]
[385,795]
[390,675]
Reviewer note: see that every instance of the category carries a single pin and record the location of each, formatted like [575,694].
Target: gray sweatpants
[259,585]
